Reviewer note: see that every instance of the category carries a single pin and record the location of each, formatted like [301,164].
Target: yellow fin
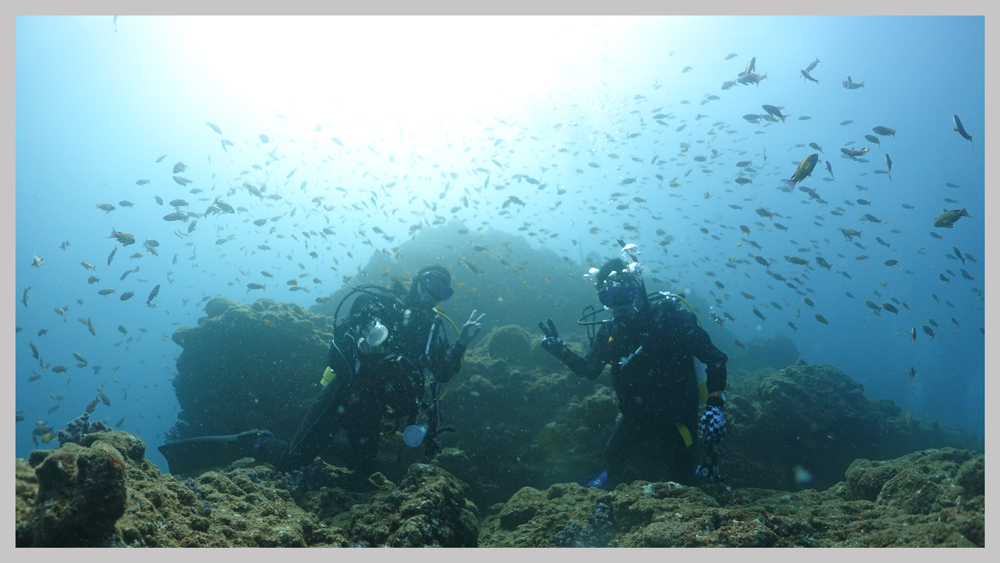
[685,433]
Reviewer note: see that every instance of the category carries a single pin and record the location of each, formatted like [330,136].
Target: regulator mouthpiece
[372,336]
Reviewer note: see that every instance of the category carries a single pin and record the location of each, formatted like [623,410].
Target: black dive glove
[713,422]
[552,343]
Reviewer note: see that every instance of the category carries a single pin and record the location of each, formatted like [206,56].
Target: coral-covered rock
[510,343]
[103,493]
[926,509]
[523,419]
[865,478]
[218,305]
[910,492]
[129,446]
[81,494]
[246,367]
[429,508]
[537,517]
[972,476]
[817,418]
[502,413]
[815,401]
[520,508]
[236,507]
[25,497]
[597,532]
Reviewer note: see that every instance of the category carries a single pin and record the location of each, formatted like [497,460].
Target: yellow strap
[453,325]
[454,379]
[685,433]
[690,308]
[703,392]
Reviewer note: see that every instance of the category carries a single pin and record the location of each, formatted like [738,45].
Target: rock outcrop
[103,492]
[923,505]
[249,366]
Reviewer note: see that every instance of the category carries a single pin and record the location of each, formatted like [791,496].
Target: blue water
[430,103]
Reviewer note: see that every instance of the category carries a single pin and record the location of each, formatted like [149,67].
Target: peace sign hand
[551,343]
[470,329]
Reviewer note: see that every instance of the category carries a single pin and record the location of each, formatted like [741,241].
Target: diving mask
[436,288]
[617,295]
[623,291]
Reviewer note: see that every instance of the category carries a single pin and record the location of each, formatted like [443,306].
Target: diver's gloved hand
[470,329]
[551,343]
[713,422]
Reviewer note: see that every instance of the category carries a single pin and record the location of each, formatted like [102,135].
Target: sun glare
[419,69]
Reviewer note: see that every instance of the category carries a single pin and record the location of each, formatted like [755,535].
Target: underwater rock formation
[510,343]
[103,492]
[249,366]
[428,509]
[670,515]
[919,483]
[534,423]
[817,418]
[523,419]
[518,419]
[78,496]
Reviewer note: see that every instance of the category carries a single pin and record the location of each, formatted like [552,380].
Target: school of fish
[366,210]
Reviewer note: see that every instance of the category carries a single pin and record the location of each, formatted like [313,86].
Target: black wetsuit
[653,374]
[372,384]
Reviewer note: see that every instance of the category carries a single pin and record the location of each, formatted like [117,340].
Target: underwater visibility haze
[285,157]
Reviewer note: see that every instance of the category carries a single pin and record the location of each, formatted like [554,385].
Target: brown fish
[124,238]
[947,219]
[803,171]
[884,131]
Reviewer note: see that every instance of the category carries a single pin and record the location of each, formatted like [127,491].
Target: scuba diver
[375,372]
[651,342]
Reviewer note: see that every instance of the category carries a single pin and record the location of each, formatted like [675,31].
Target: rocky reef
[924,499]
[523,423]
[523,419]
[103,492]
[248,366]
[808,459]
[77,492]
